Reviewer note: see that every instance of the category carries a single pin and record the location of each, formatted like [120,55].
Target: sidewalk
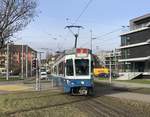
[132,96]
[124,84]
[127,94]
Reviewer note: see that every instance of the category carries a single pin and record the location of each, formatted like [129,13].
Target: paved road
[122,90]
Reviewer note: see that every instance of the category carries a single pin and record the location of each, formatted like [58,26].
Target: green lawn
[38,104]
[102,78]
[106,78]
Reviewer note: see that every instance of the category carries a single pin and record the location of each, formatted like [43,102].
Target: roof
[140,18]
[134,31]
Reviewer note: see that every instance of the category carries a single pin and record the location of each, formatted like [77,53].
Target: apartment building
[15,56]
[135,46]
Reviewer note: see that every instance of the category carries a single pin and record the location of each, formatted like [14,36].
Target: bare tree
[14,16]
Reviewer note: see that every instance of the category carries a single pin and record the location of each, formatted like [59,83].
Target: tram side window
[61,68]
[69,67]
[92,66]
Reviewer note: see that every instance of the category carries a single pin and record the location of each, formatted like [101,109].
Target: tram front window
[82,66]
[69,67]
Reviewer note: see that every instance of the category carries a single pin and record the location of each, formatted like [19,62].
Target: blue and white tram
[74,69]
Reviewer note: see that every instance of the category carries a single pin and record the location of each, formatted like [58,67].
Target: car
[3,72]
[43,75]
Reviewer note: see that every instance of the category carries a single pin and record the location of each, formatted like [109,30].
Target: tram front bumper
[79,82]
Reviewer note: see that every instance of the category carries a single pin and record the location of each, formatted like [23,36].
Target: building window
[125,40]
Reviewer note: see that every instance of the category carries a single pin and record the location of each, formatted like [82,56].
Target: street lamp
[110,70]
[38,79]
[22,62]
[7,65]
[26,61]
[92,38]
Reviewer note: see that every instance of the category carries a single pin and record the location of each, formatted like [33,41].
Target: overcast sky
[102,16]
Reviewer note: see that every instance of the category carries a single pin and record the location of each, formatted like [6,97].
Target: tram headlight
[82,82]
[68,81]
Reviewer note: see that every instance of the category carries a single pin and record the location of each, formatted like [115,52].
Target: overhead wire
[83,11]
[113,31]
[77,19]
[101,41]
[104,35]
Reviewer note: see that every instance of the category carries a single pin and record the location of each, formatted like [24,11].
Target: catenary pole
[91,39]
[36,85]
[31,64]
[110,69]
[22,62]
[7,72]
[26,61]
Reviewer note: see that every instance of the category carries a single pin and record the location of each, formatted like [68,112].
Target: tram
[74,68]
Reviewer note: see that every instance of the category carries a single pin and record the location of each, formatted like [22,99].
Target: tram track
[53,103]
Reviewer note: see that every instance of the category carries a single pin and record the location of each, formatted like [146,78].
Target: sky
[102,16]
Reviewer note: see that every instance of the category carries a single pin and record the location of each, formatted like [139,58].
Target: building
[101,56]
[135,46]
[107,58]
[112,58]
[15,59]
[51,59]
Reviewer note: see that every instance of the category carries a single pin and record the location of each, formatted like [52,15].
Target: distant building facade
[15,58]
[112,59]
[107,58]
[51,59]
[135,46]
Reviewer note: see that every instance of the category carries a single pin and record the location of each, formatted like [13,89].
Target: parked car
[3,72]
[43,75]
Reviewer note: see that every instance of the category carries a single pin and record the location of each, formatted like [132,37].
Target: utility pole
[37,78]
[26,61]
[116,62]
[40,70]
[91,39]
[38,73]
[22,63]
[31,63]
[110,69]
[76,35]
[7,67]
